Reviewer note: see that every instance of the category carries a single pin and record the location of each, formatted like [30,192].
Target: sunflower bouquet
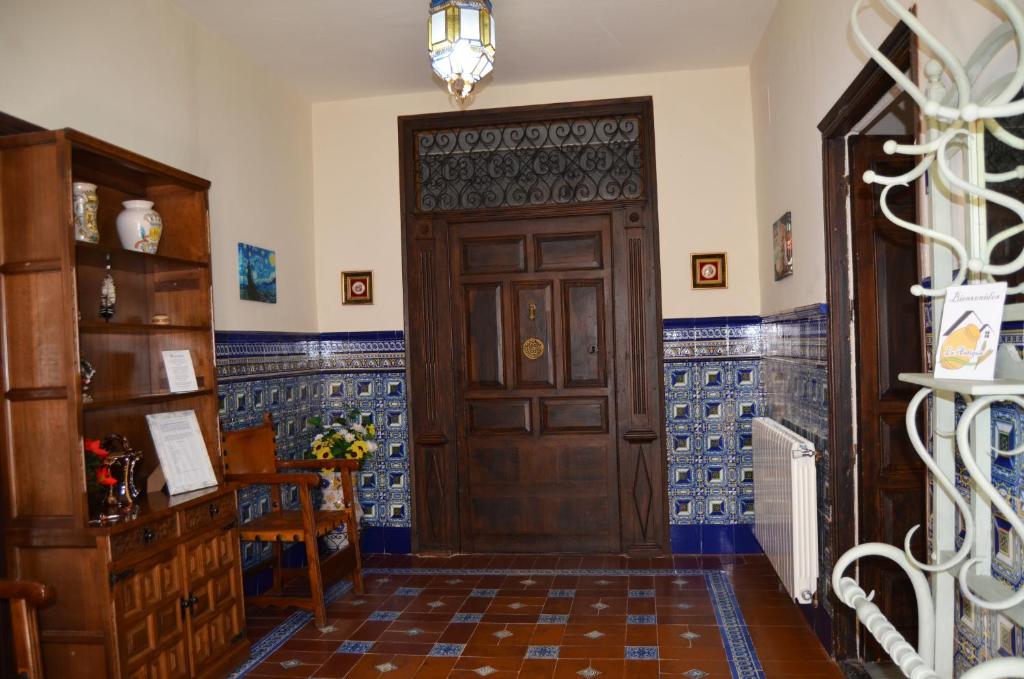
[346,438]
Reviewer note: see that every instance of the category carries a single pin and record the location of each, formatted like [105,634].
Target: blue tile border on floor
[277,637]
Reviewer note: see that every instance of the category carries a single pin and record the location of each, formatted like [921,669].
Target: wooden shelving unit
[157,595]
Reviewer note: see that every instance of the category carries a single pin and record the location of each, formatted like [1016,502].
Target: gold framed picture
[357,287]
[708,271]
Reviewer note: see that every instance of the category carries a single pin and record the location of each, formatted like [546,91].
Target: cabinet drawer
[143,537]
[208,512]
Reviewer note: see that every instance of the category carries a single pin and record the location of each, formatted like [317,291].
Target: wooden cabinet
[157,596]
[178,605]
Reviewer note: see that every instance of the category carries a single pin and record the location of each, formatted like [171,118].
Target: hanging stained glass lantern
[461,43]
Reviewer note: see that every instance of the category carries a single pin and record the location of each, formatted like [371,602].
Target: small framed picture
[782,246]
[357,287]
[709,271]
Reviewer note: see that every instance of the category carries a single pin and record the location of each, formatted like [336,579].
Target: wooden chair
[250,458]
[24,598]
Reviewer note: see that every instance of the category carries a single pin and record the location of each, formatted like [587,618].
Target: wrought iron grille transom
[556,162]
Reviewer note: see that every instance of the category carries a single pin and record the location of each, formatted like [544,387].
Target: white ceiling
[344,49]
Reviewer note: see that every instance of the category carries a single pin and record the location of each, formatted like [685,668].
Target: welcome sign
[969,335]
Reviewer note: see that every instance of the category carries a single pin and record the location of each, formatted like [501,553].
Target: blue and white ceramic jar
[86,205]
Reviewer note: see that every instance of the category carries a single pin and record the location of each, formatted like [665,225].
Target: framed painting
[357,287]
[257,274]
[708,271]
[782,246]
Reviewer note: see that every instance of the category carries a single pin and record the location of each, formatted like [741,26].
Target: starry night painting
[257,274]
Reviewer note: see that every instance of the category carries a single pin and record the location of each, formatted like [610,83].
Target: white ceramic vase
[139,226]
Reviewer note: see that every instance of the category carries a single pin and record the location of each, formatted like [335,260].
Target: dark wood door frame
[637,340]
[870,85]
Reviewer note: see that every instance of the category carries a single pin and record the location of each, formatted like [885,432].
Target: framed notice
[969,334]
[181,374]
[182,451]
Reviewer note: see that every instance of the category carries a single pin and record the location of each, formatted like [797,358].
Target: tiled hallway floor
[544,617]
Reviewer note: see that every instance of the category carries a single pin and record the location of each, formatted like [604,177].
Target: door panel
[493,255]
[499,416]
[485,365]
[533,322]
[574,415]
[888,331]
[586,359]
[569,253]
[540,462]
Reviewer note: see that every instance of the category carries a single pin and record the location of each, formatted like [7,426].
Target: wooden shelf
[51,309]
[101,328]
[994,387]
[144,399]
[137,256]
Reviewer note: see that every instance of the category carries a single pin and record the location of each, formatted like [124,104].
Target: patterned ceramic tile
[715,380]
[795,347]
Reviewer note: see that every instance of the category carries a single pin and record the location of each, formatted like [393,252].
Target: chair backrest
[251,451]
[24,598]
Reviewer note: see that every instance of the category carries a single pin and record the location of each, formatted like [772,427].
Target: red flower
[104,478]
[93,446]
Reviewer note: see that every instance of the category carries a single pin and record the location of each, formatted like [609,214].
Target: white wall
[141,74]
[705,185]
[805,61]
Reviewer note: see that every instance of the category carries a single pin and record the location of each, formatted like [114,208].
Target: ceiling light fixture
[461,43]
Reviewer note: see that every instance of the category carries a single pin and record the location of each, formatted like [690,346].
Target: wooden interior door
[888,338]
[534,223]
[535,394]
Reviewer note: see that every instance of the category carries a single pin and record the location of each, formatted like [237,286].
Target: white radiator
[785,505]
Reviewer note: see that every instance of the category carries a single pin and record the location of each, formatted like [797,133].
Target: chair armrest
[337,465]
[35,593]
[274,479]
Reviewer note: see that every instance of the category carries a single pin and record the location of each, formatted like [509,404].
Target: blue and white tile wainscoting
[297,376]
[720,373]
[795,360]
[714,388]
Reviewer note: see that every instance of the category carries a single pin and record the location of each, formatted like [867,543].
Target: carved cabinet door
[535,384]
[216,615]
[150,622]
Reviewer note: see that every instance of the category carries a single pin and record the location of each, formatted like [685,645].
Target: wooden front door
[531,309]
[888,330]
[533,329]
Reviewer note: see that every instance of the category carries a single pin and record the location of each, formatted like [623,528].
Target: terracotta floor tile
[276,671]
[497,629]
[337,666]
[569,668]
[538,669]
[436,668]
[714,669]
[824,669]
[288,653]
[468,663]
[608,651]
